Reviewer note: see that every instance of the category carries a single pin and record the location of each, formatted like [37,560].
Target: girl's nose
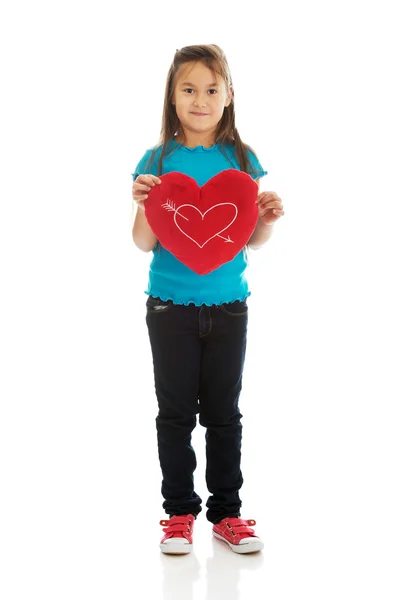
[200,101]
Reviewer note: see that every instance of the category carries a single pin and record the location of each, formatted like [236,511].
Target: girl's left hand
[270,207]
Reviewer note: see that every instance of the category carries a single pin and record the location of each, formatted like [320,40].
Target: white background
[316,97]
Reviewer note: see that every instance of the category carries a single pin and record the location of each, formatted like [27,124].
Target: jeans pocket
[235,309]
[156,305]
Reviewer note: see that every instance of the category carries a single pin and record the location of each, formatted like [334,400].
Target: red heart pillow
[203,227]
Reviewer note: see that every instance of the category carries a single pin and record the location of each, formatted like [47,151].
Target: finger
[271,204]
[150,180]
[275,211]
[139,196]
[142,186]
[146,180]
[270,194]
[268,197]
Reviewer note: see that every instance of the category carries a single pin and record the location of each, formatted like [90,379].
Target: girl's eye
[191,90]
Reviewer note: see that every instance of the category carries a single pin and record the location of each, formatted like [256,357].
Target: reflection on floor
[211,572]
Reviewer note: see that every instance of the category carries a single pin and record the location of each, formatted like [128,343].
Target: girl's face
[199,98]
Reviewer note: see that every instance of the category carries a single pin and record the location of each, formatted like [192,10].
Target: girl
[197,324]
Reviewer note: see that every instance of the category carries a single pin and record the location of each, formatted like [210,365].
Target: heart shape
[203,226]
[203,232]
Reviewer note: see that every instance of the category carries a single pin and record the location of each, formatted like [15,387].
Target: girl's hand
[141,186]
[270,207]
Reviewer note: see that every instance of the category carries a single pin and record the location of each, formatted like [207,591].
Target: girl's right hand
[141,186]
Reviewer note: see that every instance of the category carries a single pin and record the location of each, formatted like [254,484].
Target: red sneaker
[238,535]
[178,534]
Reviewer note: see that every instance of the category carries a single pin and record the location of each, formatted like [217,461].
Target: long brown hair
[213,57]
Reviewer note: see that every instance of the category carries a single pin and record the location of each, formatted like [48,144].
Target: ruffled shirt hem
[165,298]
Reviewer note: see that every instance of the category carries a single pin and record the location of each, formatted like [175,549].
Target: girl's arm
[270,209]
[261,234]
[142,234]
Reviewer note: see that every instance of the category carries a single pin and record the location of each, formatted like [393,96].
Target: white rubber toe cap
[176,546]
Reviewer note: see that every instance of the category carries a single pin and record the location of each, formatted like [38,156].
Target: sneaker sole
[176,548]
[241,548]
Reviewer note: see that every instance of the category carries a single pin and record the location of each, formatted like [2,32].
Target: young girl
[197,324]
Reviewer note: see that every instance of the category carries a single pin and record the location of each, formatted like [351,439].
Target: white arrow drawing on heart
[176,212]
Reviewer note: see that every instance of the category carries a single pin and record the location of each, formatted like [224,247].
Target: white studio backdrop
[316,97]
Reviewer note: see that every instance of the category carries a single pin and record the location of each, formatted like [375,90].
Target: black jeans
[198,356]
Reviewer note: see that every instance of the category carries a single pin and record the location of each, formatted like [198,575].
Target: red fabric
[235,529]
[178,527]
[203,227]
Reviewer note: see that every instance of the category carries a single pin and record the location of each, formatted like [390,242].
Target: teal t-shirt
[170,279]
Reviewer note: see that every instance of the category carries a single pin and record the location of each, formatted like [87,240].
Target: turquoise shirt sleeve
[143,168]
[257,167]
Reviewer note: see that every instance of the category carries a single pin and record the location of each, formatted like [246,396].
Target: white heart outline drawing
[202,216]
